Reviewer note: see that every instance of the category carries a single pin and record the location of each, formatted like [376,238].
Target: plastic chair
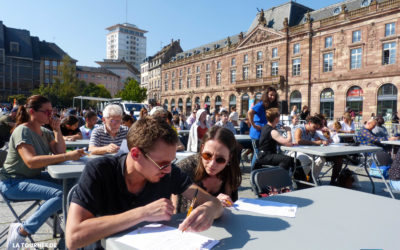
[69,198]
[383,159]
[273,176]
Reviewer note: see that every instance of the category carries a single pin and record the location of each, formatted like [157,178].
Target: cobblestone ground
[45,234]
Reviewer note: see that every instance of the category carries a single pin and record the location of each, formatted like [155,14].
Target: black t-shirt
[267,143]
[66,132]
[102,189]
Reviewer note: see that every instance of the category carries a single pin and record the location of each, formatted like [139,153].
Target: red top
[201,132]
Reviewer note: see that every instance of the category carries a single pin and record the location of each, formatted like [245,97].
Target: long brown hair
[264,98]
[231,173]
[34,102]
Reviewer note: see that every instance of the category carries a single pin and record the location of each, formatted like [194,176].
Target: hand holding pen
[191,205]
[225,200]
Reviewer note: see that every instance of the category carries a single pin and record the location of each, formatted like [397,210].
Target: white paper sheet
[161,237]
[123,148]
[266,207]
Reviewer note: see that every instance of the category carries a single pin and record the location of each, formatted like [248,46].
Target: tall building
[126,42]
[342,55]
[26,62]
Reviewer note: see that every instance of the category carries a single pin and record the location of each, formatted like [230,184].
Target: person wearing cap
[7,122]
[107,138]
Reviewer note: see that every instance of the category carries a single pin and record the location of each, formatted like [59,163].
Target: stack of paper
[158,236]
[266,207]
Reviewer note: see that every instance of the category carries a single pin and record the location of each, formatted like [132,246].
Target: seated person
[215,168]
[334,133]
[347,124]
[269,140]
[107,138]
[245,126]
[164,115]
[366,137]
[380,130]
[394,173]
[225,123]
[127,120]
[294,122]
[90,124]
[118,192]
[69,128]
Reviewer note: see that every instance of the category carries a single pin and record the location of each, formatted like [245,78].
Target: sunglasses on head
[208,156]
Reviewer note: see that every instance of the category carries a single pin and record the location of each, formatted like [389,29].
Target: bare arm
[300,141]
[33,161]
[109,149]
[58,145]
[282,140]
[83,228]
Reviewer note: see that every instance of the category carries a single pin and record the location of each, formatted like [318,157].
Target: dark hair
[147,130]
[34,102]
[380,121]
[314,120]
[69,120]
[90,114]
[264,98]
[322,118]
[224,112]
[175,119]
[127,118]
[231,174]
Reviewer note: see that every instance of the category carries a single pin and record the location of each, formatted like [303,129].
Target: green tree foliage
[132,91]
[21,99]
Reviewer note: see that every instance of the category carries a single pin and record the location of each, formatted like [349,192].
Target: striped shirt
[100,136]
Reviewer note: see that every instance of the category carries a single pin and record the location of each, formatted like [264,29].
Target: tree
[132,91]
[21,99]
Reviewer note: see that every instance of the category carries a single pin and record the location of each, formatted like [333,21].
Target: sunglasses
[208,156]
[46,112]
[163,166]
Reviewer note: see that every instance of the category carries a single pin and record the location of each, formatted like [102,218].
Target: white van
[136,107]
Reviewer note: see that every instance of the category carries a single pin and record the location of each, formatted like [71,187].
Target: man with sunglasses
[116,193]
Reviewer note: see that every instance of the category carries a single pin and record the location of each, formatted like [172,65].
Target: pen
[191,205]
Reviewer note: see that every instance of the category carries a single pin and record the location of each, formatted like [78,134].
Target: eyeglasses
[47,112]
[163,166]
[208,156]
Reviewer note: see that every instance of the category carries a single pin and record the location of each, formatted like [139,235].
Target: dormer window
[337,10]
[365,3]
[14,47]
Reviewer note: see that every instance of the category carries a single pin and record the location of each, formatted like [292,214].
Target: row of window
[52,63]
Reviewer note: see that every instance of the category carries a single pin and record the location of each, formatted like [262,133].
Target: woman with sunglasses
[31,148]
[215,168]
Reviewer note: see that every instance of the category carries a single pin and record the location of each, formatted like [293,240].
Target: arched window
[387,100]
[207,101]
[232,102]
[218,103]
[172,104]
[180,105]
[258,96]
[354,100]
[188,106]
[166,104]
[245,104]
[327,103]
[295,100]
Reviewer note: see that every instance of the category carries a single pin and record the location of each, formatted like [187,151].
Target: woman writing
[31,148]
[215,168]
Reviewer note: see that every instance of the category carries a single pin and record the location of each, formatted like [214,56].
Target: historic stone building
[343,55]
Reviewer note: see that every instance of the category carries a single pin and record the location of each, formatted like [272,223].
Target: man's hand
[112,148]
[200,219]
[159,210]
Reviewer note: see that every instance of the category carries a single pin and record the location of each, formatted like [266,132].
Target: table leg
[312,171]
[366,171]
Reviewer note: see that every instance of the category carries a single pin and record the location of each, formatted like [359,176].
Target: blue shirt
[260,119]
[366,137]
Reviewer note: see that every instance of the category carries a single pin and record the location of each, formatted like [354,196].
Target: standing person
[90,124]
[197,131]
[119,192]
[69,128]
[127,120]
[215,168]
[31,148]
[225,123]
[294,111]
[234,116]
[7,122]
[257,116]
[191,119]
[304,113]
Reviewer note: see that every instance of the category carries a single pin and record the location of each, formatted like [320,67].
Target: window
[197,69]
[337,10]
[259,55]
[355,60]
[365,3]
[233,62]
[14,47]
[166,76]
[173,73]
[356,36]
[387,99]
[245,73]
[295,99]
[189,81]
[259,71]
[180,72]
[389,29]
[173,84]
[328,42]
[327,103]
[246,58]
[54,63]
[274,52]
[328,62]
[47,71]
[166,85]
[208,80]
[218,78]
[180,84]
[55,72]
[233,76]
[207,67]
[354,100]
[197,81]
[46,62]
[218,65]
[296,67]
[296,48]
[389,53]
[188,71]
[274,69]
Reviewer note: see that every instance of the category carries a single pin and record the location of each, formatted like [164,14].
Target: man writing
[116,193]
[107,138]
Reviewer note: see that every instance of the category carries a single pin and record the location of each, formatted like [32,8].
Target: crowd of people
[144,183]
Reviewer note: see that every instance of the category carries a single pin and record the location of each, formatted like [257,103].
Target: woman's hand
[75,155]
[55,123]
[225,200]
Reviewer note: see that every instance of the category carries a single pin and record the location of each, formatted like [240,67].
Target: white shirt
[346,127]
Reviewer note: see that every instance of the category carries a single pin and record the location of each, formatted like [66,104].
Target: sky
[79,26]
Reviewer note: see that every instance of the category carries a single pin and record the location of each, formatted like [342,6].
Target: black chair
[272,176]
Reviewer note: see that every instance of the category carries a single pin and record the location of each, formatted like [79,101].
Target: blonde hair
[336,125]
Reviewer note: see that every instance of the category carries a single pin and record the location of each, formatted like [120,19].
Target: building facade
[126,42]
[144,73]
[343,55]
[26,62]
[121,68]
[100,76]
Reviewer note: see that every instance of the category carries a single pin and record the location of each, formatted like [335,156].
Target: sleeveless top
[267,143]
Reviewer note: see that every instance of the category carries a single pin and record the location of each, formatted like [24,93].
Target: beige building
[100,76]
[343,55]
